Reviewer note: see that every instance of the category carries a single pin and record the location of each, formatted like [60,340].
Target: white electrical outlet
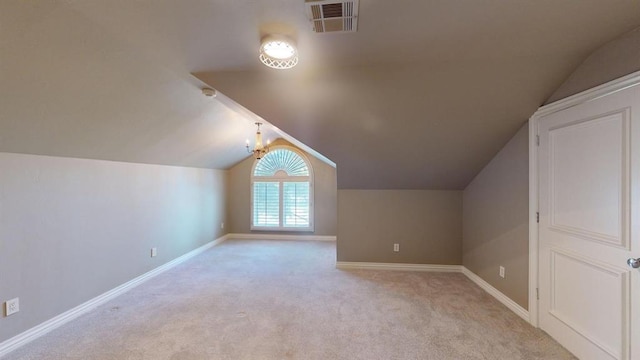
[154,252]
[396,247]
[222,225]
[12,306]
[502,272]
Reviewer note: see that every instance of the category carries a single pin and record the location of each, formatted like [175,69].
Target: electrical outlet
[222,225]
[12,306]
[502,272]
[154,252]
[396,247]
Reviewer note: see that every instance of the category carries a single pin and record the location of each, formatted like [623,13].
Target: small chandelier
[278,52]
[259,150]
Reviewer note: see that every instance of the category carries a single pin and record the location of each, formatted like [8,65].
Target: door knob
[634,263]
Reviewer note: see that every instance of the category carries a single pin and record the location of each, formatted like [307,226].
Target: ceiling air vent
[333,16]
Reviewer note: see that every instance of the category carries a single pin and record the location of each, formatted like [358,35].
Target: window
[282,192]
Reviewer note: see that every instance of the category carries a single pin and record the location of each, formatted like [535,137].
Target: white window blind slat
[266,204]
[296,204]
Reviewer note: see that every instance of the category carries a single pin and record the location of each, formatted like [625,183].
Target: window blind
[266,203]
[282,192]
[281,159]
[295,199]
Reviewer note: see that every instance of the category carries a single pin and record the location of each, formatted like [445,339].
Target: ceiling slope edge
[253,117]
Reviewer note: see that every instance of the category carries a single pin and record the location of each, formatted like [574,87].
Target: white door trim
[580,98]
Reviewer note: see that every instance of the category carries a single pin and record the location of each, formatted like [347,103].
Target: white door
[589,203]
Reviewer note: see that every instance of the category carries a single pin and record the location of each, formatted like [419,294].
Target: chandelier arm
[259,150]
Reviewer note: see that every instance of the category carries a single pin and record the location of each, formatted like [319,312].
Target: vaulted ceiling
[421,96]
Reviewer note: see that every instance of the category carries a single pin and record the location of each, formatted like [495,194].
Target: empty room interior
[319,179]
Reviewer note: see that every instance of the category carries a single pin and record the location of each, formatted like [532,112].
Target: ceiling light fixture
[278,52]
[259,150]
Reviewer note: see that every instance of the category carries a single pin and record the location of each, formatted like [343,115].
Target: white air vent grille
[333,16]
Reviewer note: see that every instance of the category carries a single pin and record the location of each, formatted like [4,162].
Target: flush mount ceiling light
[278,52]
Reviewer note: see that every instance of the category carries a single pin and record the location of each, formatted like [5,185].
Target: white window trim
[281,180]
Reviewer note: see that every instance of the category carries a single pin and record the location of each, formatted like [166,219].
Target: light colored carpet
[286,300]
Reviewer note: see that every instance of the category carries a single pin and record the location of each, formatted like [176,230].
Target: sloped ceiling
[422,96]
[71,87]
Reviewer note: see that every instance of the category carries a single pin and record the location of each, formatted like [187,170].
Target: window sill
[282,229]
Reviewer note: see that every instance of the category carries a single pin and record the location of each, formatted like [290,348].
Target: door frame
[610,87]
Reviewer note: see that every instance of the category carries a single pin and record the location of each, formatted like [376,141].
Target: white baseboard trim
[39,330]
[281,237]
[347,265]
[504,299]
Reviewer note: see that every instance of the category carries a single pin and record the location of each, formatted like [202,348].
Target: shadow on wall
[496,220]
[614,60]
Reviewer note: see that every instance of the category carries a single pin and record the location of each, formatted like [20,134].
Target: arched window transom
[285,161]
[282,191]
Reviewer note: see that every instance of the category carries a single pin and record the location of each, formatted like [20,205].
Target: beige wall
[325,186]
[495,220]
[495,203]
[72,229]
[615,59]
[426,223]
